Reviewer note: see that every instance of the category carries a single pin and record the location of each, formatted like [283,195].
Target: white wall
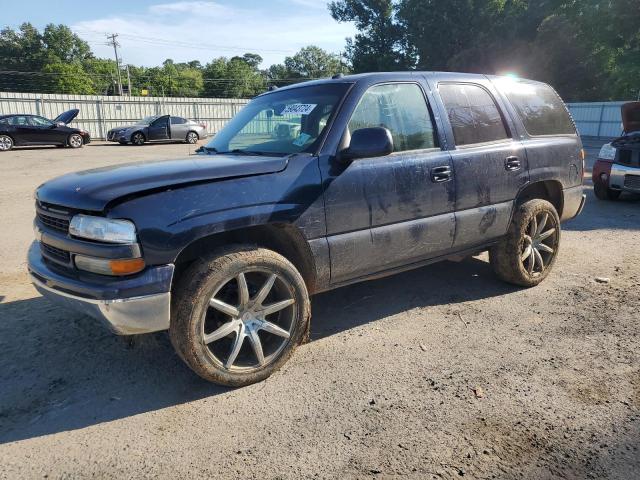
[99,114]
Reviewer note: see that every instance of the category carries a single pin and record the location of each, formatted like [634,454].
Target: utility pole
[128,81]
[115,44]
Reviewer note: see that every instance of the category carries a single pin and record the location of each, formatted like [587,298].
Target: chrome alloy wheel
[540,244]
[255,306]
[5,143]
[192,137]
[75,141]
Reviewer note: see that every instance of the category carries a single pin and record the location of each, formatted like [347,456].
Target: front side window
[539,106]
[473,114]
[281,122]
[402,109]
[160,122]
[39,122]
[147,120]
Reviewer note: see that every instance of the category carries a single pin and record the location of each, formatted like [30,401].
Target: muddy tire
[603,192]
[238,315]
[526,255]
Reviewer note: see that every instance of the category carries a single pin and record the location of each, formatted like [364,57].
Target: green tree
[312,62]
[69,78]
[381,42]
[237,77]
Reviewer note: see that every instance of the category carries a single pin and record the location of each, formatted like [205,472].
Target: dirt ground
[442,372]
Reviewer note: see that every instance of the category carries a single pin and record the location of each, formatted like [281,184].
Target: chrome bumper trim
[616,177]
[124,316]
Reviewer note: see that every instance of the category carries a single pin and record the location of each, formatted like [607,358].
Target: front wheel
[527,253]
[137,139]
[238,316]
[75,141]
[603,192]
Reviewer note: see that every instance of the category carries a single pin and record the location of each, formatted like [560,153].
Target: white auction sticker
[299,108]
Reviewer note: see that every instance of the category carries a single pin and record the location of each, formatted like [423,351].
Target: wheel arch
[141,132]
[282,238]
[550,190]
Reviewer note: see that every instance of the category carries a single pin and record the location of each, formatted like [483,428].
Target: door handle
[441,174]
[512,163]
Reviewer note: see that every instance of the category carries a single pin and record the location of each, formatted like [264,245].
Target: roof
[390,76]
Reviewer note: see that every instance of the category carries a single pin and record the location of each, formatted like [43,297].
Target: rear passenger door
[489,164]
[390,211]
[178,128]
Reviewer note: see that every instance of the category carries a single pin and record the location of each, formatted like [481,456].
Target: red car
[617,169]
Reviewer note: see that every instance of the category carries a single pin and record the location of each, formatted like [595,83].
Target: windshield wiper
[206,150]
[239,151]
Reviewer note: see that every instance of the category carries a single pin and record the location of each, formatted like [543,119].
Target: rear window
[473,114]
[541,109]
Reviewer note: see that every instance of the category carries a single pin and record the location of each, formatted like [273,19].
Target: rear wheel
[603,192]
[137,138]
[75,141]
[238,316]
[192,137]
[6,143]
[527,253]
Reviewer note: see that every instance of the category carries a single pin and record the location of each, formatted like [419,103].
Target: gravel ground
[442,372]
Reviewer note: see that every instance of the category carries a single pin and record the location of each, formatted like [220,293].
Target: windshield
[147,120]
[281,123]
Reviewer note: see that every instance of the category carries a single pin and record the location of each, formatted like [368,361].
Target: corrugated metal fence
[597,119]
[99,114]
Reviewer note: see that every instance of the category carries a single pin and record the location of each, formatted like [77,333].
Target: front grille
[55,253]
[632,181]
[57,223]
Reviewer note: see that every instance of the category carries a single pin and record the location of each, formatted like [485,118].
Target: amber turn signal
[105,266]
[127,267]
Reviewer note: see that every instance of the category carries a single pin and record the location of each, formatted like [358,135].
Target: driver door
[159,129]
[387,212]
[44,131]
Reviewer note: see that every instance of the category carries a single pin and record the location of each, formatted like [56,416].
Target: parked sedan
[22,129]
[159,128]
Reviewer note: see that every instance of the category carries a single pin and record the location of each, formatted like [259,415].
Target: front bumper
[128,305]
[624,178]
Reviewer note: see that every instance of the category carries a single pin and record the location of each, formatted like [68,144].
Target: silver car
[159,128]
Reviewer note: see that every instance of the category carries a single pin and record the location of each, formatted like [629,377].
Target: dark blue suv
[309,188]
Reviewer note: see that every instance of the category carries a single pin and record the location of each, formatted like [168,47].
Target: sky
[152,31]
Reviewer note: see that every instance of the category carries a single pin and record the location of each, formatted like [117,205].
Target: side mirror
[58,124]
[368,143]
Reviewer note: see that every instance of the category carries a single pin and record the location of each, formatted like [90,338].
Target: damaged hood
[94,189]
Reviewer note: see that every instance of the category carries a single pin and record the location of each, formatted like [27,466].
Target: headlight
[120,132]
[607,152]
[103,229]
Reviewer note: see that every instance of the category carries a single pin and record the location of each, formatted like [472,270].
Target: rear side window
[178,120]
[539,106]
[18,121]
[473,114]
[401,108]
